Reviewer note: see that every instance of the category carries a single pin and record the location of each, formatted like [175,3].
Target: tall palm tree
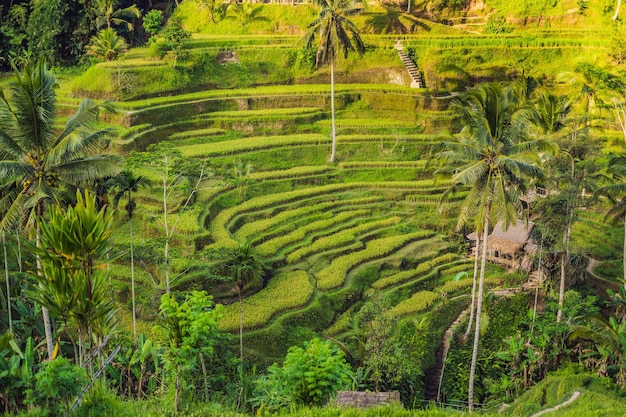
[550,116]
[335,33]
[617,193]
[493,156]
[127,183]
[246,269]
[39,159]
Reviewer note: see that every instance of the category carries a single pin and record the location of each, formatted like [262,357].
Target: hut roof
[512,239]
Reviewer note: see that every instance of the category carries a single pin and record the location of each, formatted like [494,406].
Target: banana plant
[16,371]
[136,368]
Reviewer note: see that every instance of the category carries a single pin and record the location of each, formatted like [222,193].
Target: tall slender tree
[550,116]
[128,183]
[42,162]
[493,156]
[335,33]
[617,194]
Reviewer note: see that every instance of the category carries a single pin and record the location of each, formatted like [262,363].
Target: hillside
[235,131]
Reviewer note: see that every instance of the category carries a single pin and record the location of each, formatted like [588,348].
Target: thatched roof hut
[504,246]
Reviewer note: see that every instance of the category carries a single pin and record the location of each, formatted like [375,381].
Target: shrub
[309,376]
[57,383]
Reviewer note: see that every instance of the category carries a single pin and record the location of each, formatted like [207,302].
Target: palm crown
[37,163]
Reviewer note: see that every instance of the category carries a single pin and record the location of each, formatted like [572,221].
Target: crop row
[421,269]
[504,42]
[434,198]
[251,114]
[272,246]
[285,291]
[251,144]
[259,143]
[262,91]
[299,171]
[451,287]
[222,237]
[463,267]
[255,227]
[366,123]
[196,133]
[413,138]
[340,238]
[419,302]
[334,275]
[382,164]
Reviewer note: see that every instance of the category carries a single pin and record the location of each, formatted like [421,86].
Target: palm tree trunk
[624,258]
[167,232]
[616,15]
[408,7]
[44,311]
[473,306]
[19,249]
[479,307]
[132,281]
[177,393]
[240,329]
[332,110]
[539,281]
[564,259]
[6,276]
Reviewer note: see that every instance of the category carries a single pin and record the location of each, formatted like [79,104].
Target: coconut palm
[38,162]
[550,116]
[107,45]
[493,156]
[617,194]
[245,268]
[127,183]
[107,14]
[335,33]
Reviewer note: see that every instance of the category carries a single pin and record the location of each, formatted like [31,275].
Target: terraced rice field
[331,233]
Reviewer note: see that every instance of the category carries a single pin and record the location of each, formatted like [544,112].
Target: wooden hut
[507,247]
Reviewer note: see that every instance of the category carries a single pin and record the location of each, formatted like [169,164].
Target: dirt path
[573,398]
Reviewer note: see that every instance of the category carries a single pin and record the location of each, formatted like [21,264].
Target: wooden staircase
[417,78]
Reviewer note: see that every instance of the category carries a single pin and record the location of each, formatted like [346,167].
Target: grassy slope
[451,57]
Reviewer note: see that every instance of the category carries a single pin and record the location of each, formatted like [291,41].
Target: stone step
[412,68]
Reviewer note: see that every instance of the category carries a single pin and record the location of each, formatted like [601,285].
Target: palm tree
[246,269]
[609,337]
[493,156]
[107,45]
[335,33]
[550,115]
[107,14]
[6,276]
[617,194]
[38,160]
[127,183]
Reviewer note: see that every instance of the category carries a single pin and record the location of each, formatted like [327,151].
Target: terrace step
[417,76]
